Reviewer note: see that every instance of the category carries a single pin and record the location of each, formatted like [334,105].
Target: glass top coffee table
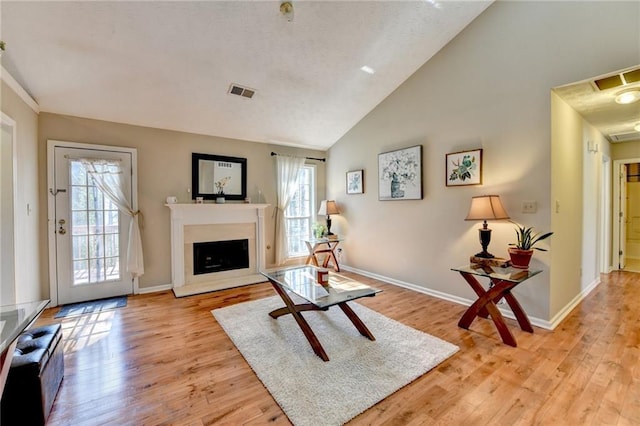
[302,281]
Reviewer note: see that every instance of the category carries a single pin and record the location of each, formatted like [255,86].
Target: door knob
[61,229]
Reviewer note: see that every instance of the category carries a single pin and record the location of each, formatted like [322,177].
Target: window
[301,212]
[95,229]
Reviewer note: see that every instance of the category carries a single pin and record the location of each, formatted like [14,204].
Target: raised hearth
[202,223]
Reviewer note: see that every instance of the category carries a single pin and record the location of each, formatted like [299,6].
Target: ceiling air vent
[625,137]
[617,80]
[632,76]
[245,92]
[609,82]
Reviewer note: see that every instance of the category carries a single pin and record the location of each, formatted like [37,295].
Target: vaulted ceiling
[170,65]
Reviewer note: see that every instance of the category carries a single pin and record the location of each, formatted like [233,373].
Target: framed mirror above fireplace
[216,175]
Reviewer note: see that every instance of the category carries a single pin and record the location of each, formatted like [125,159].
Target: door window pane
[95,230]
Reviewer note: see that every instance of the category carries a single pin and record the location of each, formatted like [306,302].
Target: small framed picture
[355,182]
[464,168]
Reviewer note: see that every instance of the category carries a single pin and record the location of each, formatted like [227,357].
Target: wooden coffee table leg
[299,308]
[357,322]
[302,323]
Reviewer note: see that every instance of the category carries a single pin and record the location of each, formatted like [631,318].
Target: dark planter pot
[520,258]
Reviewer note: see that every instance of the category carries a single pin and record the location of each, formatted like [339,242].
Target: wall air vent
[245,92]
[625,137]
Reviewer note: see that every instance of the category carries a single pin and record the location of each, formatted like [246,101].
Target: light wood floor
[166,361]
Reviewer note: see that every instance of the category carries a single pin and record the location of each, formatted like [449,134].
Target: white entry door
[91,234]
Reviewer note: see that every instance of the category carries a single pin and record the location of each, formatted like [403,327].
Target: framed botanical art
[355,182]
[464,168]
[400,174]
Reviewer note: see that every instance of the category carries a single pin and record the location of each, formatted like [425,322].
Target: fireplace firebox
[218,256]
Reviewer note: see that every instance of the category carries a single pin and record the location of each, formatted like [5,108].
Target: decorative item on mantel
[220,187]
[486,207]
[522,251]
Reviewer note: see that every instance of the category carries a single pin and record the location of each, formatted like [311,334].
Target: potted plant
[522,250]
[319,230]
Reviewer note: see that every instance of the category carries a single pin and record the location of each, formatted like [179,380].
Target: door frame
[51,225]
[606,226]
[616,208]
[10,122]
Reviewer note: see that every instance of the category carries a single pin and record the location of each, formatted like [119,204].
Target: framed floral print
[464,168]
[355,182]
[400,174]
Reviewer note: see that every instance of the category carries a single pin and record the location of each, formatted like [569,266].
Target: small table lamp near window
[328,207]
[486,207]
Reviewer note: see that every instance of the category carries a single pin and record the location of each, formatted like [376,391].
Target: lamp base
[484,255]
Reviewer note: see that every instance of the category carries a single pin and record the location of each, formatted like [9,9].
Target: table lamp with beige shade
[328,207]
[486,207]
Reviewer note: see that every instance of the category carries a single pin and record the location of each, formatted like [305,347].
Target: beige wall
[624,150]
[567,198]
[30,268]
[489,88]
[164,168]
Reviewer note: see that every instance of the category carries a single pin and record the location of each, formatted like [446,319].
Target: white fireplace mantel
[214,214]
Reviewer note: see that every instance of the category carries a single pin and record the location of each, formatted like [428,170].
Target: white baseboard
[154,289]
[557,318]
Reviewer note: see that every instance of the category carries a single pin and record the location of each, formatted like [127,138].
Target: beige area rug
[360,372]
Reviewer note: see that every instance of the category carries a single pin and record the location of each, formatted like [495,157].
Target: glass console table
[325,246]
[338,291]
[501,282]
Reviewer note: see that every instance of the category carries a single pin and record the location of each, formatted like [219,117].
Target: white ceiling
[170,64]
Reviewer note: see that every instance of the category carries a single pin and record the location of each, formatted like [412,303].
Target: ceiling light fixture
[434,3]
[628,96]
[367,69]
[637,127]
[286,9]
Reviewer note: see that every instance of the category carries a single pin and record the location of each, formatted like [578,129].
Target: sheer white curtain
[288,169]
[106,175]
